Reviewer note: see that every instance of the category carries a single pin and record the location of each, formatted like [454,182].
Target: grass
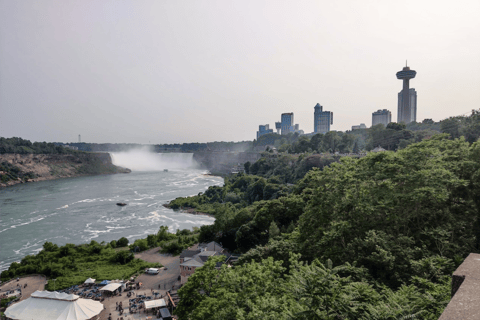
[100,269]
[72,265]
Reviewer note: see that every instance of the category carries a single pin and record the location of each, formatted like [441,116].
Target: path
[34,283]
[149,282]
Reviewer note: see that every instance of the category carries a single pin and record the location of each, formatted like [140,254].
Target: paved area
[159,283]
[34,283]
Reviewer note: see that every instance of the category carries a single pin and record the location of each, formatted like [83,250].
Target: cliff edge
[21,168]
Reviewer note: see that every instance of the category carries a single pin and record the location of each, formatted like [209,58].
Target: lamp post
[54,283]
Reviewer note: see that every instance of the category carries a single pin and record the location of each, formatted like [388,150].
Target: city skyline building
[322,119]
[407,103]
[263,129]
[381,116]
[360,126]
[287,123]
[278,126]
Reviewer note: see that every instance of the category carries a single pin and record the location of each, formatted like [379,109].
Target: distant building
[190,260]
[287,123]
[407,98]
[360,126]
[278,126]
[381,116]
[411,115]
[322,119]
[263,129]
[378,149]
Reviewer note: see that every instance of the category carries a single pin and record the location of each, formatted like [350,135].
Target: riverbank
[25,168]
[189,211]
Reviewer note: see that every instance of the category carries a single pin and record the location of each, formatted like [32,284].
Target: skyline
[160,73]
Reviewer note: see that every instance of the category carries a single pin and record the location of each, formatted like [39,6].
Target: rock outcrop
[21,168]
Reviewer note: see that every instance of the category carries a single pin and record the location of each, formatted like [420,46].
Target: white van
[151,271]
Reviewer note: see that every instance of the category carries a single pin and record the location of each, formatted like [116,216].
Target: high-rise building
[278,126]
[287,122]
[381,116]
[407,101]
[263,129]
[322,119]
[412,97]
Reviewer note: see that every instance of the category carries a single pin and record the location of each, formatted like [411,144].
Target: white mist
[145,160]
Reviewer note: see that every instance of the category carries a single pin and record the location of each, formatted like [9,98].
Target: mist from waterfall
[145,160]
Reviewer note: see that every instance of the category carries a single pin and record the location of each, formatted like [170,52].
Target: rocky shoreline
[26,168]
[190,211]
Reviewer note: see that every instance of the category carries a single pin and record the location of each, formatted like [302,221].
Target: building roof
[211,246]
[47,305]
[378,149]
[165,313]
[111,287]
[202,259]
[192,263]
[188,253]
[207,253]
[155,303]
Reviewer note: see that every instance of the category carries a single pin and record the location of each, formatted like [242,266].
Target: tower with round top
[407,107]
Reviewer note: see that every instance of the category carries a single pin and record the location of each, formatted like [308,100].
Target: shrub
[122,242]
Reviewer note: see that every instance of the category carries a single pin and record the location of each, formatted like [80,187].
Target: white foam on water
[153,204]
[32,220]
[103,221]
[87,200]
[202,222]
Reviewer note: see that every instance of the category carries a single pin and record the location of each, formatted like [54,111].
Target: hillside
[21,168]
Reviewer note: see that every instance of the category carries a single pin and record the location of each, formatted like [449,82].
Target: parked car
[151,271]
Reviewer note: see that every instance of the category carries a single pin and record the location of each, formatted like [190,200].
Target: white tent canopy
[111,287]
[89,281]
[155,303]
[47,305]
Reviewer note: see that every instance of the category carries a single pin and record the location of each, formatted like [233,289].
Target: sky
[152,71]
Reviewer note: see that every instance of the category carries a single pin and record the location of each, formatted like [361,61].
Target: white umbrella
[89,281]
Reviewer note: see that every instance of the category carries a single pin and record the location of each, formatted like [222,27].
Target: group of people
[17,291]
[119,307]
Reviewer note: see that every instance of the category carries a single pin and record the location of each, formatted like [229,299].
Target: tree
[122,242]
[123,257]
[273,230]
[356,149]
[331,142]
[246,166]
[396,126]
[385,209]
[428,121]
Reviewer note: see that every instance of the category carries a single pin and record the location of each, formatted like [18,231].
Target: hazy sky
[197,71]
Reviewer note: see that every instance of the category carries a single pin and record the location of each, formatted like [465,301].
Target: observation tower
[407,109]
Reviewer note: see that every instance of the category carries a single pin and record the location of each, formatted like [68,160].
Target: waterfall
[143,160]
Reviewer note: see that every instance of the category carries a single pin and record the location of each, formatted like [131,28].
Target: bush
[139,245]
[122,242]
[123,257]
[173,248]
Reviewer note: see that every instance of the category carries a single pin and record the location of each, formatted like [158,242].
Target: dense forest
[375,237]
[22,146]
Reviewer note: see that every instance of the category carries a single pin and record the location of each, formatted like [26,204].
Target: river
[78,210]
